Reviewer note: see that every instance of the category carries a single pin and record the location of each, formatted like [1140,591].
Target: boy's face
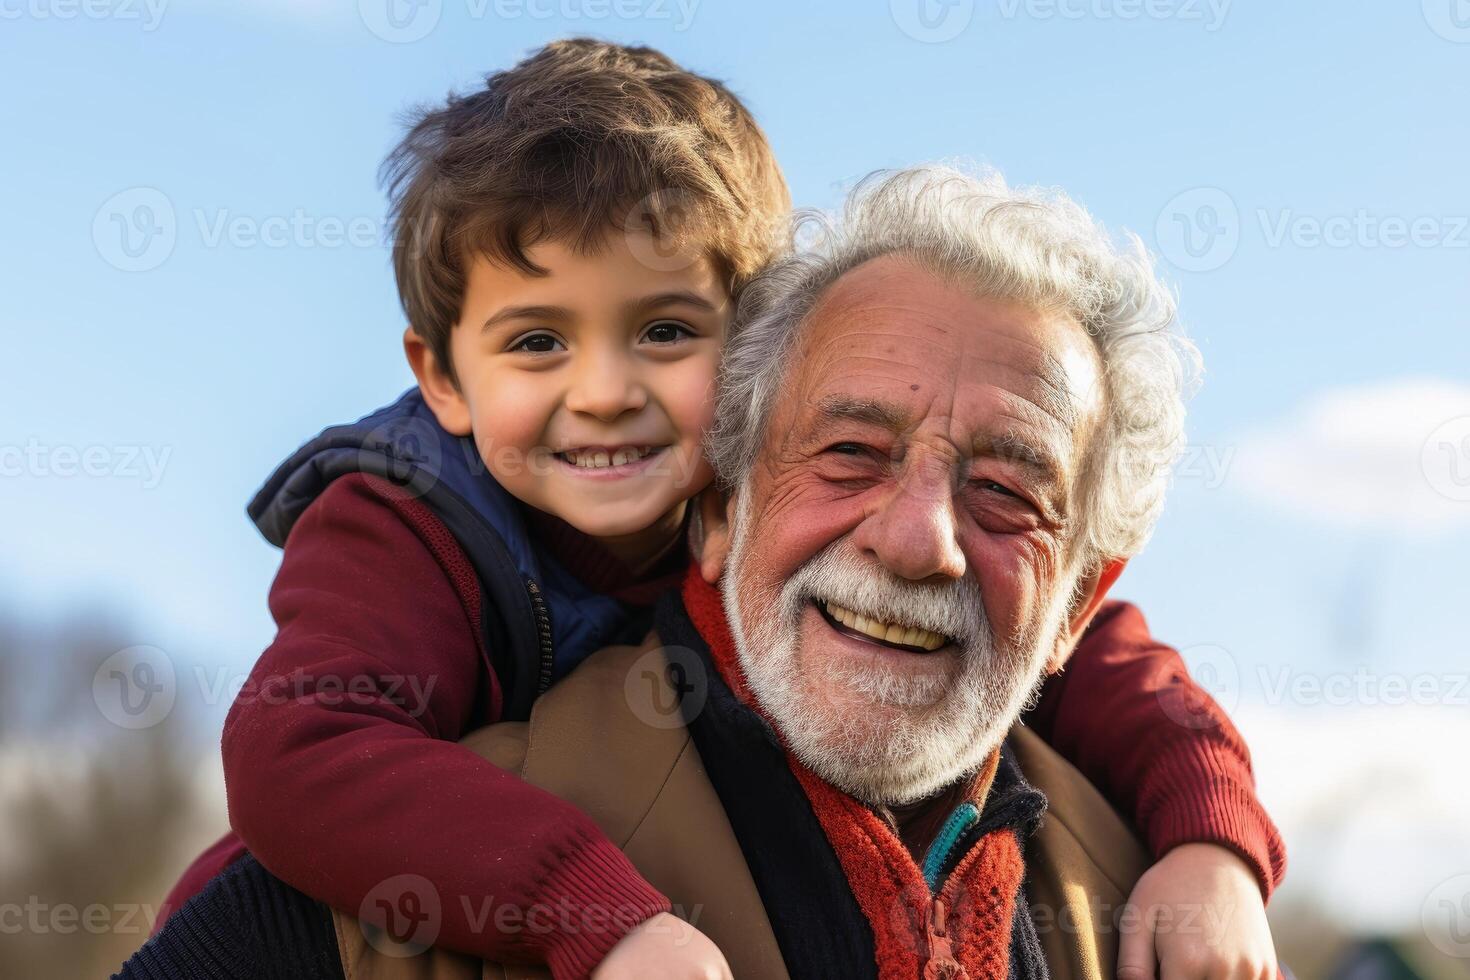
[589,389]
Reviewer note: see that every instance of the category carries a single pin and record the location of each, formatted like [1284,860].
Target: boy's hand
[664,947]
[1197,913]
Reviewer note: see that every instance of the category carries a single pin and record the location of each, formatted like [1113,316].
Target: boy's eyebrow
[526,313]
[632,308]
[677,297]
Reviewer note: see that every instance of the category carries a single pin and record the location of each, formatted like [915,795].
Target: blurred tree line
[96,819]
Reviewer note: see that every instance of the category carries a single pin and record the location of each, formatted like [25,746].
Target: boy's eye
[666,332]
[537,343]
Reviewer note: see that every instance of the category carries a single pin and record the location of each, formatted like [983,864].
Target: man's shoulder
[1077,809]
[619,705]
[1081,864]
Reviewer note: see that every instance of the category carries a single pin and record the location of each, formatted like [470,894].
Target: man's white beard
[934,729]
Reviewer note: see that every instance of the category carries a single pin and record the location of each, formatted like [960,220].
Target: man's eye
[537,343]
[848,449]
[994,487]
[667,332]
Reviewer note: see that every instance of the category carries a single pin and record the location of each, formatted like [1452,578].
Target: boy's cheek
[507,428]
[688,394]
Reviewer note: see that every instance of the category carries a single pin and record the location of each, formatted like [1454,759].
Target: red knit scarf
[965,931]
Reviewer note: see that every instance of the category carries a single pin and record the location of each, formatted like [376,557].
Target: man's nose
[605,386]
[914,532]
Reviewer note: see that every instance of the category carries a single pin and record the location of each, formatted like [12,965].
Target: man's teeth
[909,636]
[599,458]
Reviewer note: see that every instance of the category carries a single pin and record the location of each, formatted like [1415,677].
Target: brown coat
[646,788]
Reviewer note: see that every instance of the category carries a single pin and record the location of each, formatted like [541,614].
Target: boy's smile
[588,388]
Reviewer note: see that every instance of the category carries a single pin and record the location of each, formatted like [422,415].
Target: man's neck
[917,824]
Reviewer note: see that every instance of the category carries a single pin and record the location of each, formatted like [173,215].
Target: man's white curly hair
[1026,245]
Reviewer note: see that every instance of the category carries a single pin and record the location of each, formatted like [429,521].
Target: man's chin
[886,726]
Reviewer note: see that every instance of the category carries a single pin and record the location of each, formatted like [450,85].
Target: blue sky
[1299,166]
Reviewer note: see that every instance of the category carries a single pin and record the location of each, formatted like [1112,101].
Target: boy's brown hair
[580,138]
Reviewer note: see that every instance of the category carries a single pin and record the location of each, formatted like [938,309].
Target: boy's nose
[606,391]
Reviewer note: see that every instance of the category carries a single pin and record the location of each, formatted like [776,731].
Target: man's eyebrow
[554,313]
[835,408]
[676,298]
[1034,455]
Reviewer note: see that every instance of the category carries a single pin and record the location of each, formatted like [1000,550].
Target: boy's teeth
[600,458]
[909,636]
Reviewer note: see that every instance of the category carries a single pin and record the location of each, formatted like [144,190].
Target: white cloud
[1393,454]
[1370,804]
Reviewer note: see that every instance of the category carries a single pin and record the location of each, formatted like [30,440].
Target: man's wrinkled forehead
[905,332]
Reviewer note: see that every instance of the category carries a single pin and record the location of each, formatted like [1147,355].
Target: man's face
[917,481]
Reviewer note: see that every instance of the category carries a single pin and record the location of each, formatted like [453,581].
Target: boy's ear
[713,547]
[440,393]
[1093,589]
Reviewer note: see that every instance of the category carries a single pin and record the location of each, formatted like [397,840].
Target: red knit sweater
[336,788]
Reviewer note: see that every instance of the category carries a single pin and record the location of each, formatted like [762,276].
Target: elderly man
[944,429]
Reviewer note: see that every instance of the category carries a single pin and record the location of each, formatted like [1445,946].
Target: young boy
[569,243]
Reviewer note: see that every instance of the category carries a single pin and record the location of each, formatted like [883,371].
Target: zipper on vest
[543,636]
[941,964]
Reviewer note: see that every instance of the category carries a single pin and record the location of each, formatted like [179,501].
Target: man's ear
[1093,589]
[440,393]
[715,513]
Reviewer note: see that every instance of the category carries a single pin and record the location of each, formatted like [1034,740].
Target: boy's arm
[1126,713]
[341,768]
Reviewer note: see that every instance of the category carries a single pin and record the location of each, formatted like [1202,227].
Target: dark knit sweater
[246,924]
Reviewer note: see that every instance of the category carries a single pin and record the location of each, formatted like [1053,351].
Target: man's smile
[897,636]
